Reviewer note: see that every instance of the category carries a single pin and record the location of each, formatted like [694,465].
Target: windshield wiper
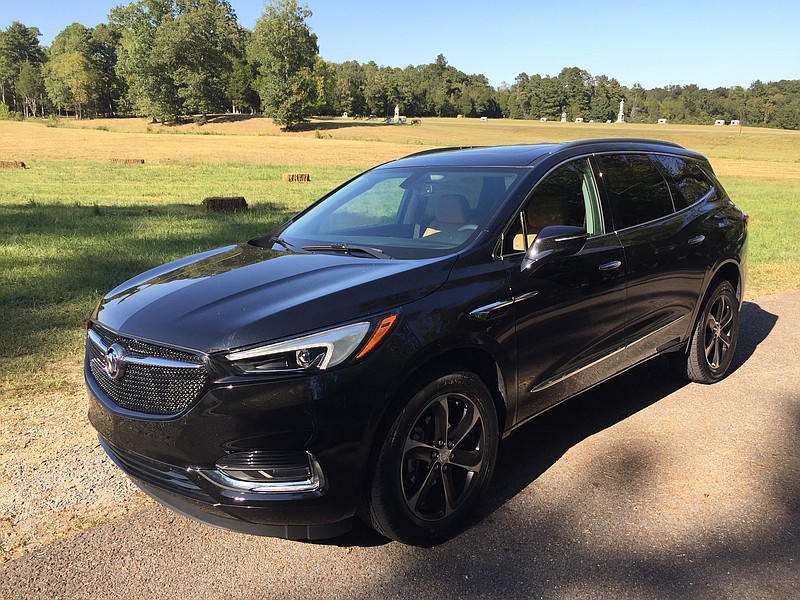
[284,243]
[352,249]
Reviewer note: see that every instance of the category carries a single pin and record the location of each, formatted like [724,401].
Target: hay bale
[225,203]
[12,164]
[297,177]
[128,161]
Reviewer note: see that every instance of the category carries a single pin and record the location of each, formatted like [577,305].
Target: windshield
[403,212]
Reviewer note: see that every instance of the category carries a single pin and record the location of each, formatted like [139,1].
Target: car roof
[522,155]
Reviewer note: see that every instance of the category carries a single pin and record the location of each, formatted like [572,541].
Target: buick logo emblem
[115,362]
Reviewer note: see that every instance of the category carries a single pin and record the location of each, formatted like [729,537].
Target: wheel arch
[454,358]
[729,270]
[470,358]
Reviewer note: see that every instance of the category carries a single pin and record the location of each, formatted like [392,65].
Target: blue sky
[710,43]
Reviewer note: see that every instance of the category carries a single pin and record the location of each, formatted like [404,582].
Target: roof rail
[438,150]
[621,140]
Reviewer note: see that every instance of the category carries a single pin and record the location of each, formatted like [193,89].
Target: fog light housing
[267,471]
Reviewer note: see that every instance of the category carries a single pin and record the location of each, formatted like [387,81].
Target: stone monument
[621,115]
[396,113]
[564,117]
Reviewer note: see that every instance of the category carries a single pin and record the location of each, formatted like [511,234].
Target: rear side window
[636,189]
[692,183]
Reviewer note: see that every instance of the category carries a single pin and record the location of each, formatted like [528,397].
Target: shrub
[7,114]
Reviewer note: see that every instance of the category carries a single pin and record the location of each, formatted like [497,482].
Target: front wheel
[714,339]
[435,462]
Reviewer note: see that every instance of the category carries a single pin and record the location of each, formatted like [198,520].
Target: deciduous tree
[285,49]
[71,78]
[30,87]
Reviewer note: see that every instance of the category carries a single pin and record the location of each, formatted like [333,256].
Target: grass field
[73,225]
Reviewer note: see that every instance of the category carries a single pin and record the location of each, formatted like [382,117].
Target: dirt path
[55,478]
[640,488]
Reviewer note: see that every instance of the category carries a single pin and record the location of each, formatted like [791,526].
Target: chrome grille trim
[148,360]
[155,380]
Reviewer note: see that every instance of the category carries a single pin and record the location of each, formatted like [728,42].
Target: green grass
[76,230]
[774,209]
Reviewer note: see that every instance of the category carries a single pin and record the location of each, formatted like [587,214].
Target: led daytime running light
[337,343]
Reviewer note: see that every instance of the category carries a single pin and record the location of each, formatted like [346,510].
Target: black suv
[366,357]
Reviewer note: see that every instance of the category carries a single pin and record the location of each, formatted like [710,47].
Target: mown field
[73,225]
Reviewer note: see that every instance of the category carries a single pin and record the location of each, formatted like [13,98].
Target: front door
[569,312]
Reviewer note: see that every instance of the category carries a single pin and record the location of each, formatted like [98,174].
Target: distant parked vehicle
[366,357]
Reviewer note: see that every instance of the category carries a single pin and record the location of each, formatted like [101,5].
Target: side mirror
[554,241]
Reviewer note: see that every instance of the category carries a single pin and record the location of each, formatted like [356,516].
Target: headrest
[452,208]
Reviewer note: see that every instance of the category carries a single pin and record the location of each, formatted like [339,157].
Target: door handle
[697,240]
[610,266]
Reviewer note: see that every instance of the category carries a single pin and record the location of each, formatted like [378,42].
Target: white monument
[396,113]
[621,115]
[563,117]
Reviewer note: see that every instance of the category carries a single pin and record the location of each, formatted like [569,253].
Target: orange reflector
[380,332]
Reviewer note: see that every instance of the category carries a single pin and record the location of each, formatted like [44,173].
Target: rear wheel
[714,339]
[435,462]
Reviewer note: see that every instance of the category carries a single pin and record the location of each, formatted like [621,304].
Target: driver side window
[566,196]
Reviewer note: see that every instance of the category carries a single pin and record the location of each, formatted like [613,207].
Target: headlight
[314,352]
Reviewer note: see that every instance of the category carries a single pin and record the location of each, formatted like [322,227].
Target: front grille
[148,385]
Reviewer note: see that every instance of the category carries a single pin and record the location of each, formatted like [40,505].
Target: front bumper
[174,459]
[161,482]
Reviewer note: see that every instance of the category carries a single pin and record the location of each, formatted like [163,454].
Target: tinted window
[690,179]
[567,196]
[636,190]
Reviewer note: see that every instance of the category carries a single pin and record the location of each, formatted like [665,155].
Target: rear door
[664,251]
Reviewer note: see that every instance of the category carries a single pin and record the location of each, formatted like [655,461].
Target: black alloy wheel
[442,456]
[436,462]
[713,343]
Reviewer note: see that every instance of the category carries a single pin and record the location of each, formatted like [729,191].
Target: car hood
[243,295]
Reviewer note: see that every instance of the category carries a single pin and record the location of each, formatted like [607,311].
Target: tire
[713,342]
[435,462]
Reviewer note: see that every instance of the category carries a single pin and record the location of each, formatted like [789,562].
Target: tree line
[174,59]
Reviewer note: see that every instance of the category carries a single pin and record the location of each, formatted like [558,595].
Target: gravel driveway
[640,488]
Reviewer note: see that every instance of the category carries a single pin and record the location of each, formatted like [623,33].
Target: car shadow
[539,444]
[755,325]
